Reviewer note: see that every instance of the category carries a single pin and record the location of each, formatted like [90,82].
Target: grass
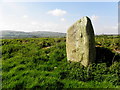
[29,63]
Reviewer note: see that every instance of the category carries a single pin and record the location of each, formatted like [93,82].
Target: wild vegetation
[42,63]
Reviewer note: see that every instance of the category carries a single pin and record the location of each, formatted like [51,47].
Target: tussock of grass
[28,63]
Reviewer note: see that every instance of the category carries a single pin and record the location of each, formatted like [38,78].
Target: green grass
[42,63]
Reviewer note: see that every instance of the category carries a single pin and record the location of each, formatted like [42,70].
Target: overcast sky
[58,16]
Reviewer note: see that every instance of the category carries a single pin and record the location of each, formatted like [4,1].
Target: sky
[119,17]
[58,16]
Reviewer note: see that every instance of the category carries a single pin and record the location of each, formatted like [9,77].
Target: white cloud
[29,25]
[34,23]
[113,29]
[57,12]
[63,19]
[25,16]
[94,18]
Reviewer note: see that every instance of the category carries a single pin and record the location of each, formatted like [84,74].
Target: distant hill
[19,34]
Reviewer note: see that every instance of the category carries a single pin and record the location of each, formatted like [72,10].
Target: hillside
[42,63]
[19,34]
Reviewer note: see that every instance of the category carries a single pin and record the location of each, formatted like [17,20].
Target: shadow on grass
[104,55]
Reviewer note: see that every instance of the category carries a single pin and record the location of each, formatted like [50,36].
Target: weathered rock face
[80,42]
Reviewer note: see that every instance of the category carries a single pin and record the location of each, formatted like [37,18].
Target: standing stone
[80,42]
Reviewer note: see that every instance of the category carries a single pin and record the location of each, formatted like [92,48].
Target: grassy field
[42,63]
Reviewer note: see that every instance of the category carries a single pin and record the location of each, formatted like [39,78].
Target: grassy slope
[42,63]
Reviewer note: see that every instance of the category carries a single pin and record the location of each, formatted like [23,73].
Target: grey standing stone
[80,42]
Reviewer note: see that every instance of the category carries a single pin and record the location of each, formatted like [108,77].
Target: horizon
[51,31]
[58,16]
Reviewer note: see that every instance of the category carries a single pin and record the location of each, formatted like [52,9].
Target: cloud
[57,12]
[94,18]
[29,25]
[34,23]
[63,19]
[114,27]
[25,16]
[1,14]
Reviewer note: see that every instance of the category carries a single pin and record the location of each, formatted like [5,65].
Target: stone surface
[80,42]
